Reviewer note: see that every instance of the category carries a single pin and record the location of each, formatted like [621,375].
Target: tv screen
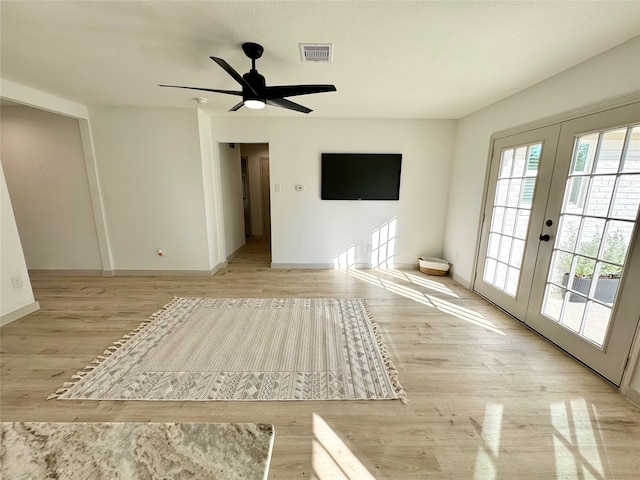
[360,176]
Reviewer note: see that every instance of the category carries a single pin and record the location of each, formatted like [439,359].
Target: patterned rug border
[391,370]
[115,346]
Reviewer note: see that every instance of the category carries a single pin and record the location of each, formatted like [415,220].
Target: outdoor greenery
[615,252]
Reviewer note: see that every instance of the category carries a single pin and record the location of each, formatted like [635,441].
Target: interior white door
[519,181]
[585,295]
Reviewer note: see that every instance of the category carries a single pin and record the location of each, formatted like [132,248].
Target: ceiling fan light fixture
[254,104]
[255,93]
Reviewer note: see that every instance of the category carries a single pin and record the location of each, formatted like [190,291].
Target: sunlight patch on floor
[332,459]
[423,282]
[489,451]
[577,453]
[440,304]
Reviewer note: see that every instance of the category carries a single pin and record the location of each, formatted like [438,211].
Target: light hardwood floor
[488,398]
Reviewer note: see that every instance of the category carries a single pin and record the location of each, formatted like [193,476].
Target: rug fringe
[392,371]
[66,386]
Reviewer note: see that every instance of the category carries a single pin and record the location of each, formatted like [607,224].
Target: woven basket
[434,266]
[431,271]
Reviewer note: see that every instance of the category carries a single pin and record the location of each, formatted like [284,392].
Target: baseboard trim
[19,313]
[331,266]
[132,272]
[164,273]
[232,255]
[633,396]
[219,267]
[405,266]
[60,271]
[461,281]
[316,266]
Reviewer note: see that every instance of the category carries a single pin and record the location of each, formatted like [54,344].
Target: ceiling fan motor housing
[257,83]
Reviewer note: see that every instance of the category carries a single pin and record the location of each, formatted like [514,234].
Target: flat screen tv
[360,176]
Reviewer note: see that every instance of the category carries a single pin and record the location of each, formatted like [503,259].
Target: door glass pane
[518,162]
[568,232]
[553,302]
[494,245]
[617,241]
[528,186]
[632,155]
[501,192]
[517,252]
[576,194]
[510,217]
[533,159]
[573,313]
[596,322]
[505,249]
[590,236]
[522,224]
[489,270]
[513,198]
[584,154]
[509,222]
[596,223]
[610,151]
[501,275]
[627,197]
[600,195]
[512,281]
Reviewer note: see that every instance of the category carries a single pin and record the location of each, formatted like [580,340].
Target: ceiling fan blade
[236,76]
[292,90]
[236,107]
[229,92]
[288,104]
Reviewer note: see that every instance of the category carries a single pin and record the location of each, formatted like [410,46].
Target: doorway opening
[256,193]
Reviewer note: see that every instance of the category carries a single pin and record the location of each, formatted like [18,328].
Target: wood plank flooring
[488,398]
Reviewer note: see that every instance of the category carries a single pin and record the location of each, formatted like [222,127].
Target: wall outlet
[16,281]
[160,252]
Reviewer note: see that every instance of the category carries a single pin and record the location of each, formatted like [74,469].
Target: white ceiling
[416,59]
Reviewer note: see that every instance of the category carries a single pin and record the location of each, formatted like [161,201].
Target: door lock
[544,238]
[548,223]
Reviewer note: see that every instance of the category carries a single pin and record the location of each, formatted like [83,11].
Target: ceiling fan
[255,92]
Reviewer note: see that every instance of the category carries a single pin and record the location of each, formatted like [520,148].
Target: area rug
[245,349]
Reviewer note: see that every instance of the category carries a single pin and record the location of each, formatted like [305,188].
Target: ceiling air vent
[316,52]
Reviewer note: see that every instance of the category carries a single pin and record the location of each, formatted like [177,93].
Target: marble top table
[212,451]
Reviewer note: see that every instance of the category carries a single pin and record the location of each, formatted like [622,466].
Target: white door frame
[634,354]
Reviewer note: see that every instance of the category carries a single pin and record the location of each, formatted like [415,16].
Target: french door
[559,247]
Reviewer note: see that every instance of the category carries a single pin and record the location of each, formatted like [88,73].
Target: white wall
[12,264]
[151,172]
[44,164]
[212,195]
[309,231]
[611,74]
[253,152]
[231,182]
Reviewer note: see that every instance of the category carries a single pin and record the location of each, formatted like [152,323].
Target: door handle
[544,238]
